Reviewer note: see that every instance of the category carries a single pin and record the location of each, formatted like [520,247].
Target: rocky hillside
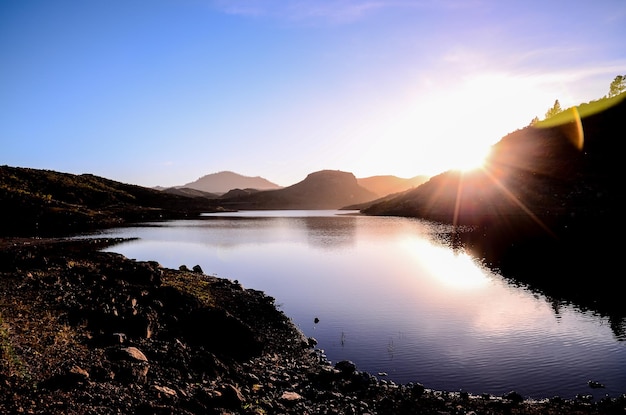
[43,202]
[224,181]
[326,189]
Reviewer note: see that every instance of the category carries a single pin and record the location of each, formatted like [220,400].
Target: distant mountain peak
[224,181]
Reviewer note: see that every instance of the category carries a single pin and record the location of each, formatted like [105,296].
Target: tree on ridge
[556,108]
[618,85]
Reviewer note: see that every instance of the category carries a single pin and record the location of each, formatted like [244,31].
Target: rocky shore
[88,332]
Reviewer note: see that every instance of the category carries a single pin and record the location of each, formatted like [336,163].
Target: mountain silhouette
[326,189]
[543,173]
[222,182]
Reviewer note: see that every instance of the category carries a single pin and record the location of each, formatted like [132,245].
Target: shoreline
[257,362]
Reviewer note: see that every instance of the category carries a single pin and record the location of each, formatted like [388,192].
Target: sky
[162,92]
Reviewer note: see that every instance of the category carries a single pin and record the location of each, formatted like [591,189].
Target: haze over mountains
[386,185]
[224,181]
[227,184]
[326,189]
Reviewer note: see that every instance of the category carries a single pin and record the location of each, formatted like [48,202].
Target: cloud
[329,11]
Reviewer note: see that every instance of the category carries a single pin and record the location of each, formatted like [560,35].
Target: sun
[470,158]
[454,128]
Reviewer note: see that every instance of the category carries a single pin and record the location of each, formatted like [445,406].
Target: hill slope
[42,202]
[536,170]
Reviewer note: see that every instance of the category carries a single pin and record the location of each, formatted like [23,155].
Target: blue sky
[162,92]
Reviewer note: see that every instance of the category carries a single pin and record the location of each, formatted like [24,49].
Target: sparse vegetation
[618,85]
[194,284]
[556,109]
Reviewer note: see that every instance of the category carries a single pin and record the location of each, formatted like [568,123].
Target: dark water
[392,297]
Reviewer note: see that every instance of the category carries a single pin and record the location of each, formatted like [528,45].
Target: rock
[197,268]
[346,367]
[78,373]
[164,391]
[417,389]
[595,385]
[132,354]
[290,397]
[118,338]
[231,396]
[514,397]
[132,366]
[221,333]
[73,377]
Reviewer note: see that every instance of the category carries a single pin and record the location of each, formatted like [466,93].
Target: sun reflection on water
[454,269]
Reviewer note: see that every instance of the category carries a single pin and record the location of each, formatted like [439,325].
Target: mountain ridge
[324,189]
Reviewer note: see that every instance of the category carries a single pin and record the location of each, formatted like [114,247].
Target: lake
[391,295]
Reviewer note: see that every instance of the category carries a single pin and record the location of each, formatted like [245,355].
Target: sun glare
[470,159]
[455,127]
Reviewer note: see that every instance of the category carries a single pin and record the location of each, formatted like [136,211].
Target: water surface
[393,297]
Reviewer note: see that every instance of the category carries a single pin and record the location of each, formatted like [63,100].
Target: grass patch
[11,363]
[193,284]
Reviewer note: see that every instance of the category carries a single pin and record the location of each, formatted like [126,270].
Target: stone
[514,397]
[79,373]
[346,367]
[290,396]
[164,391]
[133,365]
[133,354]
[231,396]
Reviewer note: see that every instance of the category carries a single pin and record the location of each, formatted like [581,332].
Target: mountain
[224,181]
[43,202]
[386,185]
[326,189]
